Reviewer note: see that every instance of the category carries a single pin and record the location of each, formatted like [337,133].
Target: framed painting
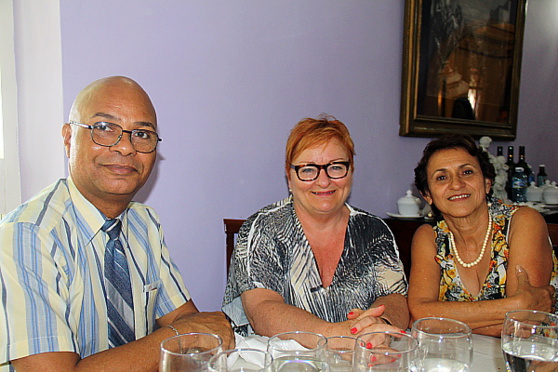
[461,67]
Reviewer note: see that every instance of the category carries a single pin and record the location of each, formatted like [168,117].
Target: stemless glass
[385,351]
[339,353]
[529,341]
[189,352]
[444,344]
[241,360]
[298,351]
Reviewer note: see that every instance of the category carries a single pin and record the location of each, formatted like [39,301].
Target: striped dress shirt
[51,274]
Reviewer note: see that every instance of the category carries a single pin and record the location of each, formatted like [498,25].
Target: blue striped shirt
[51,274]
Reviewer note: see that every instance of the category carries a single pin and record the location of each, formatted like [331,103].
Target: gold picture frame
[461,67]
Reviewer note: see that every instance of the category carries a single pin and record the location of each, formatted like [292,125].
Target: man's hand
[207,322]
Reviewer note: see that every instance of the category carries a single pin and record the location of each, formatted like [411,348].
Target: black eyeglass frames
[334,170]
[109,134]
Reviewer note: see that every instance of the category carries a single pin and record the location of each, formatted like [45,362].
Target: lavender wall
[230,78]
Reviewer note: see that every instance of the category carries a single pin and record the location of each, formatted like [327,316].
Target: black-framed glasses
[109,134]
[334,170]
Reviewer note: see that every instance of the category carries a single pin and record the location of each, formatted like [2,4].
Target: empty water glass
[298,351]
[385,351]
[241,360]
[339,353]
[300,364]
[189,352]
[444,345]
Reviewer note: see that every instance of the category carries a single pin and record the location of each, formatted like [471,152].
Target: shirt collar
[91,216]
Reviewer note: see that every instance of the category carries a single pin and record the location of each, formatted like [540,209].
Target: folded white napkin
[251,342]
[259,343]
[244,344]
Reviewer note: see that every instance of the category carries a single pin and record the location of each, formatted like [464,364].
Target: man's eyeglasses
[334,170]
[109,134]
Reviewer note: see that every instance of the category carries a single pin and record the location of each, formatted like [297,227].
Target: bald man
[86,280]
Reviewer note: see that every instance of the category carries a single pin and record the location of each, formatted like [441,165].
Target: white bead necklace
[481,254]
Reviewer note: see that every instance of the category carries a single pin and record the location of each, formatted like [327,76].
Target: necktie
[120,305]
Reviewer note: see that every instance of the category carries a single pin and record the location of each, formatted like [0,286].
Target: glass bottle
[522,163]
[519,185]
[527,168]
[541,176]
[511,166]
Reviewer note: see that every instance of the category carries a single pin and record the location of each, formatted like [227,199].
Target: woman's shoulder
[500,210]
[362,214]
[527,217]
[274,214]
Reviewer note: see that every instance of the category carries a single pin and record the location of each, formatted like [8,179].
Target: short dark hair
[452,141]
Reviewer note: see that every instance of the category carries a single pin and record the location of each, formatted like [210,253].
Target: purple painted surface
[229,80]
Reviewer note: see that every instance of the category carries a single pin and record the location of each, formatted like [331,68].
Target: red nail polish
[351,313]
[353,330]
[372,358]
[403,332]
[369,346]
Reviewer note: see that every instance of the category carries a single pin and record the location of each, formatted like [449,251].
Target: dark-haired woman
[483,258]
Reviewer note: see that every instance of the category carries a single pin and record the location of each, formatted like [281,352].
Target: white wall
[40,98]
[230,78]
[10,189]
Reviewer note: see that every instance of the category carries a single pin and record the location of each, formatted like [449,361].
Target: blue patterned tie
[120,305]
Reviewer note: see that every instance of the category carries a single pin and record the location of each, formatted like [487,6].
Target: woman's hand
[533,298]
[370,321]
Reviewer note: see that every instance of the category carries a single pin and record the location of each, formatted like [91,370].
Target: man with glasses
[86,280]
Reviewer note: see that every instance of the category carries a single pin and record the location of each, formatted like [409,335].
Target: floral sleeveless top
[494,287]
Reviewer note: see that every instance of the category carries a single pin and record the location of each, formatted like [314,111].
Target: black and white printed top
[272,252]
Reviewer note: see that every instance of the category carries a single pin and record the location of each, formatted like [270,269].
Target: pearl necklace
[481,254]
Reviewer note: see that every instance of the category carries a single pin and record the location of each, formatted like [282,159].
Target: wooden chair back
[232,226]
[553,233]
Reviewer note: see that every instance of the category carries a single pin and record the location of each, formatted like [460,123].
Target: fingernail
[402,331]
[372,358]
[393,360]
[369,346]
[353,330]
[351,313]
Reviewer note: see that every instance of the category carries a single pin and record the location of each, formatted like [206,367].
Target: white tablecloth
[487,354]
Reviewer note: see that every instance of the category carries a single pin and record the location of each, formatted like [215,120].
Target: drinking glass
[298,351]
[339,353]
[385,351]
[241,360]
[189,352]
[529,341]
[444,344]
[300,364]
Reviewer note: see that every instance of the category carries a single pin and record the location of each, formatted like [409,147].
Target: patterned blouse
[451,287]
[272,252]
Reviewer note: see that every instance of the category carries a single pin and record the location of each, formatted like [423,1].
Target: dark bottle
[541,176]
[511,167]
[500,151]
[519,186]
[523,164]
